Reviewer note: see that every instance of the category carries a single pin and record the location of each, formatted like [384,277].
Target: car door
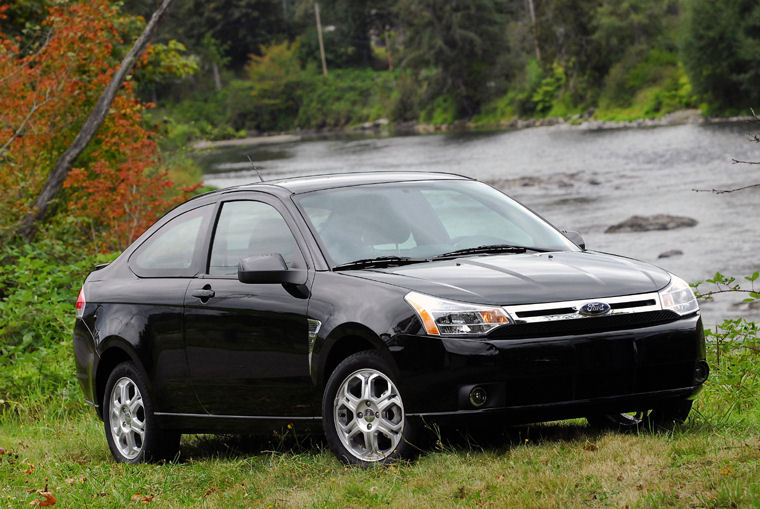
[150,306]
[247,344]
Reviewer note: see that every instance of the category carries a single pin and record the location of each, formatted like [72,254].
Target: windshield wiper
[380,261]
[489,248]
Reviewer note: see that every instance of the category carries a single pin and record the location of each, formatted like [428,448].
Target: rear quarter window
[174,249]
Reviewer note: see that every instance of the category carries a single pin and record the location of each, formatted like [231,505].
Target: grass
[712,461]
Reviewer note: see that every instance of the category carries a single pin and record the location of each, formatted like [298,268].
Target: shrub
[39,284]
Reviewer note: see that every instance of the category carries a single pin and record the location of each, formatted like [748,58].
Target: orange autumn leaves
[47,90]
[47,500]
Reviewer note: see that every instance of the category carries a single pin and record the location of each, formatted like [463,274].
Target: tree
[721,52]
[624,25]
[161,64]
[565,32]
[276,78]
[454,46]
[352,24]
[43,103]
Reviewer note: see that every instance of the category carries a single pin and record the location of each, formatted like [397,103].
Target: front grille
[572,310]
[585,326]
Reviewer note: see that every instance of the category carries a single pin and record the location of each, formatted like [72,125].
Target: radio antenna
[249,155]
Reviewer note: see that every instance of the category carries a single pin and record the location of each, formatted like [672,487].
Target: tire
[363,413]
[131,427]
[664,417]
[669,416]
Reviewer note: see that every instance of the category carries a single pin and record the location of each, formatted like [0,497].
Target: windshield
[422,220]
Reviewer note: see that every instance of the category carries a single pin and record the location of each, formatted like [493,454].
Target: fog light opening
[701,372]
[478,396]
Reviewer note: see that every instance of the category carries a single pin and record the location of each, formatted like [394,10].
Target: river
[579,179]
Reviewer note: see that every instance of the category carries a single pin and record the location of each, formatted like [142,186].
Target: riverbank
[383,127]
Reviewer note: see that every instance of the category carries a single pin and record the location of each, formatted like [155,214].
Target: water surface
[578,179]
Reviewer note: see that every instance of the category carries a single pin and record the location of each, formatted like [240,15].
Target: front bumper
[553,377]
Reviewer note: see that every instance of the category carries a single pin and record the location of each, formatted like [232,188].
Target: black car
[371,302]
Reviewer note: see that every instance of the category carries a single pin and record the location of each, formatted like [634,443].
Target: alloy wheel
[369,415]
[127,418]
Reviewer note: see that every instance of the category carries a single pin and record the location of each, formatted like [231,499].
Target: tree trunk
[28,225]
[217,77]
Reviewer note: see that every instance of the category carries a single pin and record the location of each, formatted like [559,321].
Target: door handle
[204,293]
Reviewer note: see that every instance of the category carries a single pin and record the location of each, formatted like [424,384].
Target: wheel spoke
[389,401]
[349,400]
[389,429]
[124,392]
[392,427]
[138,428]
[131,446]
[367,387]
[350,428]
[135,404]
[370,443]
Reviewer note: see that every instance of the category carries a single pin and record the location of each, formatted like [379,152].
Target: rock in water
[650,223]
[672,252]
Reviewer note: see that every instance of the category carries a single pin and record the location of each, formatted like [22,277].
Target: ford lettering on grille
[595,309]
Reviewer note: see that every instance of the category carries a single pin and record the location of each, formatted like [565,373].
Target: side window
[171,251]
[248,228]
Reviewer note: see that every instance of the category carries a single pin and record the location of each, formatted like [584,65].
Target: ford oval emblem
[595,309]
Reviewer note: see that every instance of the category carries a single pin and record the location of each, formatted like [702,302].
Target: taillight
[80,303]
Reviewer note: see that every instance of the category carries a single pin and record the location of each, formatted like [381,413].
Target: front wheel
[131,428]
[363,413]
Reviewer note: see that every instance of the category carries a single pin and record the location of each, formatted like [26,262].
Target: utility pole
[319,36]
[532,12]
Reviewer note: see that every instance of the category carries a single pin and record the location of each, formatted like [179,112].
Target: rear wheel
[363,413]
[131,428]
[664,417]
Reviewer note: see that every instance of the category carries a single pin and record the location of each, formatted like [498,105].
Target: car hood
[514,279]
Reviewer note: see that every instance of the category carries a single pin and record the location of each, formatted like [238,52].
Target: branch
[36,106]
[724,191]
[29,60]
[27,227]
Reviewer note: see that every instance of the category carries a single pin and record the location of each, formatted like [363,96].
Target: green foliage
[643,87]
[458,41]
[345,97]
[721,52]
[347,28]
[276,78]
[733,347]
[443,111]
[565,32]
[622,27]
[493,113]
[23,18]
[163,63]
[39,284]
[545,94]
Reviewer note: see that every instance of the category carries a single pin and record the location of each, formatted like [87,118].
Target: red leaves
[47,500]
[118,189]
[138,497]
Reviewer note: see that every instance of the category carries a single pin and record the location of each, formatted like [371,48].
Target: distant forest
[225,67]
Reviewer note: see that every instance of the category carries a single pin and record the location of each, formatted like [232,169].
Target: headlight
[449,318]
[678,297]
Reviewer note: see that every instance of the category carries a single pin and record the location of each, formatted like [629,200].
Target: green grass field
[711,461]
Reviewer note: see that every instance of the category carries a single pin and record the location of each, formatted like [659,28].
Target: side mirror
[268,269]
[576,239]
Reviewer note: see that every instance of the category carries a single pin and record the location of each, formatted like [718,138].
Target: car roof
[309,183]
